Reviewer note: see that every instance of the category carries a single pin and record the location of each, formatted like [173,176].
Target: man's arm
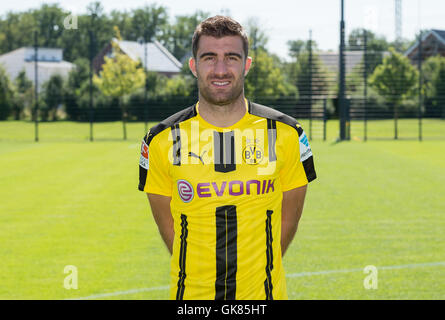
[160,207]
[291,210]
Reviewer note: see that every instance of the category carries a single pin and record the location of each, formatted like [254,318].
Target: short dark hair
[218,27]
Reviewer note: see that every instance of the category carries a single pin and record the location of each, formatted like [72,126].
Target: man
[226,178]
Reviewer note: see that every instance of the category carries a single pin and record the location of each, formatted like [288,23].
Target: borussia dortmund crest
[253,154]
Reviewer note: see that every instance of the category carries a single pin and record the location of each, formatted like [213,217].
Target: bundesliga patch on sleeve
[305,149]
[143,160]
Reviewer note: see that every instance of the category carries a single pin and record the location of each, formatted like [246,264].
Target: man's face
[220,67]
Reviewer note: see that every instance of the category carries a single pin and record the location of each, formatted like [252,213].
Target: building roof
[60,65]
[159,59]
[331,60]
[438,34]
[49,63]
[27,54]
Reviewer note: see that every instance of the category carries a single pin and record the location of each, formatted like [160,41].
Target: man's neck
[222,116]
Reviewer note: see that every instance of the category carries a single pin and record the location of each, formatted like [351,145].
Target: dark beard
[221,100]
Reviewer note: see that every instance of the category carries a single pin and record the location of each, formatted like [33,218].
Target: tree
[257,37]
[180,34]
[301,71]
[23,96]
[265,79]
[296,47]
[16,30]
[177,86]
[77,96]
[376,47]
[74,88]
[434,81]
[49,20]
[123,20]
[257,48]
[374,42]
[52,97]
[6,94]
[149,22]
[439,87]
[394,79]
[120,77]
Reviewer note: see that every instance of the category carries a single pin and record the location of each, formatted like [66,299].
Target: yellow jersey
[226,186]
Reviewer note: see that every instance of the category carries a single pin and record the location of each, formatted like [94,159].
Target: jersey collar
[235,125]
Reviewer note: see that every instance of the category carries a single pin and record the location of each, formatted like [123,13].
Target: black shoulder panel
[274,115]
[269,113]
[176,118]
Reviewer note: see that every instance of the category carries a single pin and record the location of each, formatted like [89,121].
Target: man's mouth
[220,83]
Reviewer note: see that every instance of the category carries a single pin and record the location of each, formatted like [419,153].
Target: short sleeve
[298,167]
[154,174]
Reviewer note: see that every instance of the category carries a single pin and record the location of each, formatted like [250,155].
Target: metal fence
[368,113]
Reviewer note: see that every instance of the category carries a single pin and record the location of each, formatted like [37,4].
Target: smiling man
[226,178]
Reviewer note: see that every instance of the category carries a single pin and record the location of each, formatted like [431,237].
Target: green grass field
[67,201]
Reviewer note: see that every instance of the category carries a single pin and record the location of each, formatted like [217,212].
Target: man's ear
[247,65]
[192,66]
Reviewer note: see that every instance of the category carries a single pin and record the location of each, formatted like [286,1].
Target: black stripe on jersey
[178,117]
[182,254]
[143,171]
[176,136]
[308,164]
[309,168]
[269,113]
[174,119]
[218,146]
[272,138]
[269,254]
[224,150]
[226,252]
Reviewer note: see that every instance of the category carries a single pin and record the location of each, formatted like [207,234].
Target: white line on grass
[291,275]
[119,293]
[403,266]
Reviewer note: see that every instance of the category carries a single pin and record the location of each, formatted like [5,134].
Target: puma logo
[191,154]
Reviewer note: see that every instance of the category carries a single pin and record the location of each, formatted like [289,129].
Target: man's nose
[220,67]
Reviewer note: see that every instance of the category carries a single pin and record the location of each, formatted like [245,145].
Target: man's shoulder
[272,114]
[171,121]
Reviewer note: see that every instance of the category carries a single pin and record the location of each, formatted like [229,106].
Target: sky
[284,20]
